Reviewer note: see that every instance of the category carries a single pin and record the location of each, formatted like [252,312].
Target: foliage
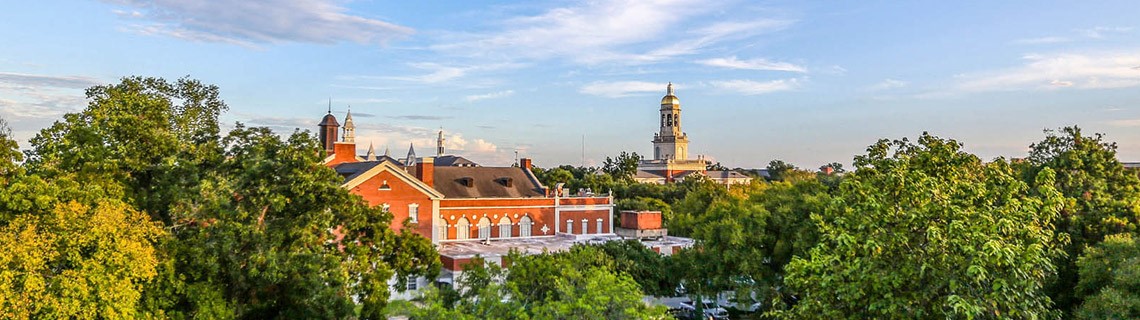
[257,227]
[151,137]
[777,168]
[928,231]
[77,261]
[1100,198]
[1110,279]
[623,167]
[578,284]
[752,238]
[649,269]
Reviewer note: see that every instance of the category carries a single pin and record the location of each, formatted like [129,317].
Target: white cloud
[492,95]
[1101,32]
[1043,40]
[1125,123]
[621,31]
[750,87]
[888,84]
[617,89]
[256,22]
[753,64]
[483,146]
[1057,71]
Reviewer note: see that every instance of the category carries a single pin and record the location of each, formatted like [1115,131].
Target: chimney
[525,163]
[425,171]
[344,152]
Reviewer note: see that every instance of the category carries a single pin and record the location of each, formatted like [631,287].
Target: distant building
[464,208]
[671,161]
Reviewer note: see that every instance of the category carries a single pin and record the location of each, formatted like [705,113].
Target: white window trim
[414,212]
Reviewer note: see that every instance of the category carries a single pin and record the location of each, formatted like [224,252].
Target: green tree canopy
[925,230]
[1101,198]
[1110,279]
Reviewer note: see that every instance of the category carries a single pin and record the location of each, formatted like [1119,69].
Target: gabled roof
[493,182]
[454,161]
[355,173]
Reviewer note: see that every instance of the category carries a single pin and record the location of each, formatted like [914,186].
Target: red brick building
[452,200]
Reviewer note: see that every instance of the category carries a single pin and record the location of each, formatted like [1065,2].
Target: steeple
[349,127]
[411,159]
[371,155]
[386,154]
[439,143]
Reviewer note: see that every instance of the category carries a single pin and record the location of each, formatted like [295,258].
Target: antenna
[330,105]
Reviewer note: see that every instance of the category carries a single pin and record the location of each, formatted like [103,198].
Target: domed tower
[328,131]
[670,143]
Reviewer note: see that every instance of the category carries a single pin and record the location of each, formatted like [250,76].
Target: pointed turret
[411,159]
[349,127]
[328,130]
[371,155]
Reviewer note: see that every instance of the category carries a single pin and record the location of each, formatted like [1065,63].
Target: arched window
[462,229]
[484,228]
[524,226]
[504,227]
[669,120]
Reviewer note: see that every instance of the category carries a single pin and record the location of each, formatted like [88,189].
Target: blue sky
[806,82]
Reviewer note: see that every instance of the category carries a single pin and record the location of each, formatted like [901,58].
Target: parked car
[710,309]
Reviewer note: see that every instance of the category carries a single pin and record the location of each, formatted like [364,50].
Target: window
[384,186]
[414,212]
[504,227]
[570,226]
[585,227]
[484,228]
[441,230]
[462,229]
[411,285]
[524,226]
[600,226]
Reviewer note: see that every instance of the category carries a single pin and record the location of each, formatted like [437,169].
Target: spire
[371,156]
[386,153]
[349,127]
[669,89]
[439,143]
[411,159]
[330,105]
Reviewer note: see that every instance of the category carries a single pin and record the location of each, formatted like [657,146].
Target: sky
[572,82]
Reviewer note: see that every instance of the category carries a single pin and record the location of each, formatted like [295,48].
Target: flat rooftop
[537,245]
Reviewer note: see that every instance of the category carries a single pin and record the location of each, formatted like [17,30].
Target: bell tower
[328,130]
[670,143]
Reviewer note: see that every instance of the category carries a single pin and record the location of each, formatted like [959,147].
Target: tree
[251,246]
[578,284]
[150,137]
[716,167]
[925,230]
[77,261]
[646,267]
[623,167]
[777,168]
[1110,279]
[1101,198]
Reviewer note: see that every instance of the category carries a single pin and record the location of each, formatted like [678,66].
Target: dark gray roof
[454,161]
[351,170]
[726,174]
[486,182]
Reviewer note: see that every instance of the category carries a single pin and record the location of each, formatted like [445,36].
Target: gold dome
[669,98]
